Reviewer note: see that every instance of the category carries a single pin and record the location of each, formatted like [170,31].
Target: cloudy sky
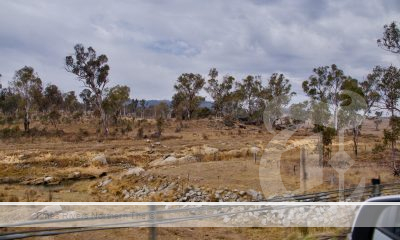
[150,43]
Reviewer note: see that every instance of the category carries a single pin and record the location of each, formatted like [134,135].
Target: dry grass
[233,166]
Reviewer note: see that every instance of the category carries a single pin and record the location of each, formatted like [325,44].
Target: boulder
[105,182]
[48,179]
[253,193]
[171,160]
[210,150]
[99,160]
[255,150]
[74,175]
[133,171]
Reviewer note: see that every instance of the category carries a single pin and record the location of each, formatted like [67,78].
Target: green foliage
[187,87]
[276,96]
[140,133]
[54,117]
[53,98]
[114,101]
[88,99]
[92,71]
[71,103]
[248,92]
[378,148]
[328,134]
[160,126]
[221,93]
[28,86]
[390,40]
[203,112]
[299,112]
[13,132]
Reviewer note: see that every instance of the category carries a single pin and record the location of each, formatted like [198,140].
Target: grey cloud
[149,43]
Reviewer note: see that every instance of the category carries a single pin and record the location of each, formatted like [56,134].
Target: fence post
[376,187]
[303,168]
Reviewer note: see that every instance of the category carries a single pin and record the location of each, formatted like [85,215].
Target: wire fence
[349,194]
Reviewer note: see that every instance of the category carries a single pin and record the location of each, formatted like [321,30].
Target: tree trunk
[26,118]
[335,118]
[355,141]
[26,122]
[103,116]
[320,150]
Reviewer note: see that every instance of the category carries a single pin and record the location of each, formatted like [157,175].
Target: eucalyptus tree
[300,112]
[70,102]
[325,85]
[275,96]
[26,83]
[115,100]
[390,40]
[353,109]
[189,86]
[53,98]
[388,87]
[88,99]
[52,103]
[92,71]
[142,104]
[221,93]
[248,91]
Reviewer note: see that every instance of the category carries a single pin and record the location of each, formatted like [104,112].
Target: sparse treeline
[252,99]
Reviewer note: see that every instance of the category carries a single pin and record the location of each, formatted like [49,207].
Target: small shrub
[204,136]
[378,148]
[83,132]
[140,133]
[129,128]
[229,121]
[13,198]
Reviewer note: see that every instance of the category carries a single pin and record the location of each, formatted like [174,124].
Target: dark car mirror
[378,218]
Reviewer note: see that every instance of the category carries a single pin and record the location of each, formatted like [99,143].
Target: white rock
[210,150]
[253,193]
[99,160]
[171,160]
[255,150]
[134,171]
[105,183]
[48,179]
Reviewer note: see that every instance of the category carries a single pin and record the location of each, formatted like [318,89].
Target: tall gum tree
[92,71]
[27,84]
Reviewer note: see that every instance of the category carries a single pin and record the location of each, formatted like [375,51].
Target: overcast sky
[150,43]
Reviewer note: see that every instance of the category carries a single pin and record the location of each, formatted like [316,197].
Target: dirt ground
[25,161]
[208,233]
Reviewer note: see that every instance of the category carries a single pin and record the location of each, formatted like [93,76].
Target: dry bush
[13,198]
[30,195]
[170,137]
[140,133]
[204,136]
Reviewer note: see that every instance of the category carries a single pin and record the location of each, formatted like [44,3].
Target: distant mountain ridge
[152,102]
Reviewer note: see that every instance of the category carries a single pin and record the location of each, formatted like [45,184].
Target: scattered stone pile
[144,192]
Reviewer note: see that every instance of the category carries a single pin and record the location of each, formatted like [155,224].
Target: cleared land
[204,156]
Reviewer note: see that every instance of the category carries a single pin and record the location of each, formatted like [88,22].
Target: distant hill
[153,102]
